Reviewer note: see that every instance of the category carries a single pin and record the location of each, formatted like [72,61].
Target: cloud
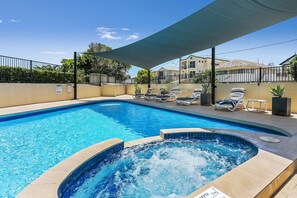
[54,52]
[133,36]
[107,33]
[14,21]
[125,29]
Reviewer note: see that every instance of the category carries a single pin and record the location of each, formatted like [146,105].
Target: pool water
[31,145]
[171,168]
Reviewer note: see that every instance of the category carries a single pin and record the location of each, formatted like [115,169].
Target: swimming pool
[31,145]
[170,168]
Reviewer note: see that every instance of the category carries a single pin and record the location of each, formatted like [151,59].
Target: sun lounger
[195,99]
[169,97]
[235,101]
[150,95]
[138,96]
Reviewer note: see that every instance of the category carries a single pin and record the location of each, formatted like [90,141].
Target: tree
[101,65]
[203,77]
[90,63]
[67,65]
[142,75]
[293,67]
[119,70]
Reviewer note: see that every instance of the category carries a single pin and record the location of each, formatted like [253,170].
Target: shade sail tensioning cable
[217,23]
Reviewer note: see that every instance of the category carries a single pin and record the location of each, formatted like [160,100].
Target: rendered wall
[113,90]
[131,89]
[88,91]
[253,91]
[186,88]
[13,94]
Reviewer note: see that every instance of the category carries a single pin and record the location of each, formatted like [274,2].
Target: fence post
[149,78]
[75,75]
[260,76]
[213,75]
[179,68]
[31,71]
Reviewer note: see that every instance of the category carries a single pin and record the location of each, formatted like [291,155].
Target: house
[286,63]
[166,74]
[242,71]
[287,70]
[192,65]
[240,66]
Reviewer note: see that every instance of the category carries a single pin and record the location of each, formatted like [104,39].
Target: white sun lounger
[195,99]
[169,97]
[150,95]
[235,101]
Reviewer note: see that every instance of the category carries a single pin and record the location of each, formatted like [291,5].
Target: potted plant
[280,106]
[163,91]
[205,98]
[137,89]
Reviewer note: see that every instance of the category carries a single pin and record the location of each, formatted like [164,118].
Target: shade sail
[219,22]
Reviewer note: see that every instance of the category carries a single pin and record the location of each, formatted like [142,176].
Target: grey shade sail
[217,23]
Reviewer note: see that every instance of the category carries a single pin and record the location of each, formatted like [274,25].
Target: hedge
[23,75]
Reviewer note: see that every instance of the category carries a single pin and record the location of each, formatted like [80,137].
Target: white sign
[58,89]
[69,88]
[212,192]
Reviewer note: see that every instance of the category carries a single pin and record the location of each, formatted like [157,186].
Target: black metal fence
[18,70]
[256,75]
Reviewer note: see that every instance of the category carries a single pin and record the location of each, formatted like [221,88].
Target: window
[192,74]
[192,64]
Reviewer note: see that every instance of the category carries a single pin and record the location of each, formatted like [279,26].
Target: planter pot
[205,99]
[281,106]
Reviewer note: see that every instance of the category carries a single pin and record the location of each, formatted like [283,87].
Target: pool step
[289,190]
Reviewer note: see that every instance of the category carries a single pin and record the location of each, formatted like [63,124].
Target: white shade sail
[217,23]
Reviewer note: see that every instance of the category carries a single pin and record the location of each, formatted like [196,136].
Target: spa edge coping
[260,176]
[6,117]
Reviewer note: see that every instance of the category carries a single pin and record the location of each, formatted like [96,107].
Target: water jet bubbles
[170,168]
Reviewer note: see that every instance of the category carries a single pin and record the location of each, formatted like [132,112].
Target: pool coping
[259,176]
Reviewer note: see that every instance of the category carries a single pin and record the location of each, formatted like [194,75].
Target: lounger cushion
[150,95]
[228,102]
[162,96]
[186,98]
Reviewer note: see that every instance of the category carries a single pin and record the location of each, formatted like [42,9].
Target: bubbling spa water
[170,168]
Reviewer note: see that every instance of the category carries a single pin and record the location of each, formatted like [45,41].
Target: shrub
[203,77]
[23,75]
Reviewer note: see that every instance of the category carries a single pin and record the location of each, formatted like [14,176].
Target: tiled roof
[239,64]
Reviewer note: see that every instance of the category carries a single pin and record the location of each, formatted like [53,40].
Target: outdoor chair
[150,95]
[169,97]
[195,99]
[235,101]
[138,96]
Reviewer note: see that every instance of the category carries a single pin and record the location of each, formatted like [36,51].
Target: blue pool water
[171,168]
[31,145]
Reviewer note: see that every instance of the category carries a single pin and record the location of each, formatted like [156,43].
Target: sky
[49,30]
